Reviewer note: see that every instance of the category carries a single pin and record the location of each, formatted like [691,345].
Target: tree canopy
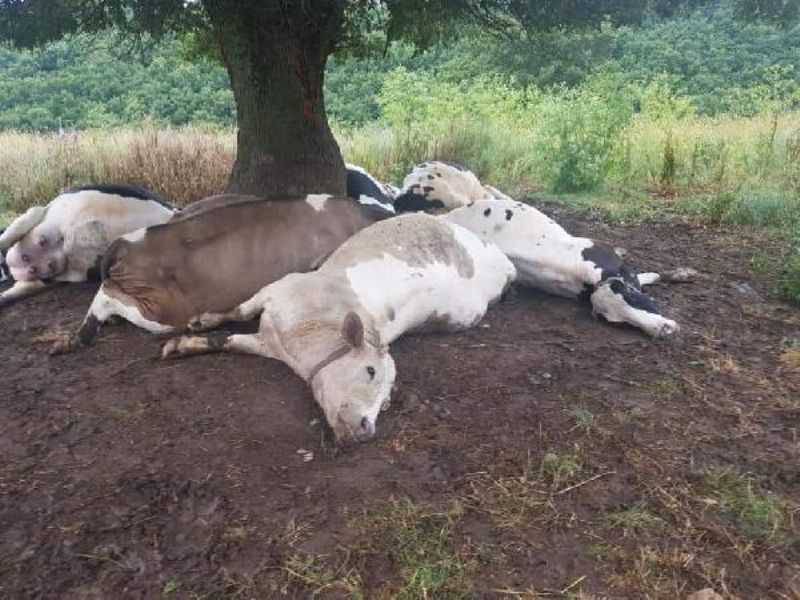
[275,53]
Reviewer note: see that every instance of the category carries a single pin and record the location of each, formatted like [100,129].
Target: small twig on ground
[127,365]
[575,583]
[564,345]
[623,381]
[582,483]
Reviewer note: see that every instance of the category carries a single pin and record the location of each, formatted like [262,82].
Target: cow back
[217,258]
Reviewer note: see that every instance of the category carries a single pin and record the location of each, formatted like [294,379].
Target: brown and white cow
[64,241]
[214,255]
[550,259]
[333,326]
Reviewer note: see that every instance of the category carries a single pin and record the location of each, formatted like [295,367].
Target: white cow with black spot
[550,259]
[65,240]
[333,327]
[438,186]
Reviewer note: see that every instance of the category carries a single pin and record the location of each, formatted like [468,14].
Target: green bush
[577,131]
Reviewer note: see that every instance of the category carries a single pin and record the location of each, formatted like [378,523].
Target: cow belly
[222,276]
[402,298]
[547,276]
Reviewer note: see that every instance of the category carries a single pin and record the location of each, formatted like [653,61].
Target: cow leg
[104,308]
[22,289]
[187,345]
[619,302]
[246,311]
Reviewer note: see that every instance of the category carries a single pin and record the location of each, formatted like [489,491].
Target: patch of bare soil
[541,454]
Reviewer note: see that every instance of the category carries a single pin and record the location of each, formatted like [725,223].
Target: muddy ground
[541,454]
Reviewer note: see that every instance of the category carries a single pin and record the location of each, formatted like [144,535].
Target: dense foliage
[84,82]
[721,65]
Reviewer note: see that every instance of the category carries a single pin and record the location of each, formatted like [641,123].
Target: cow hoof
[668,328]
[63,346]
[204,322]
[171,349]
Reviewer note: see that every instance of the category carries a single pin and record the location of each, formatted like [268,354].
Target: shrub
[577,131]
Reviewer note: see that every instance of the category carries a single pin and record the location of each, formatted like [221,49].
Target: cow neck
[332,357]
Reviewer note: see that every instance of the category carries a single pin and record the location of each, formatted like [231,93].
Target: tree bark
[275,52]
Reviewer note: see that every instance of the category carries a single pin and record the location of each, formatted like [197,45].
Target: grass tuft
[754,512]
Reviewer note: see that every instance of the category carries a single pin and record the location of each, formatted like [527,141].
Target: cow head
[354,383]
[35,247]
[619,301]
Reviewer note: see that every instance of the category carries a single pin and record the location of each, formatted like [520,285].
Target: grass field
[656,164]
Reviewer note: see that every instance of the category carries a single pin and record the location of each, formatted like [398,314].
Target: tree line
[100,81]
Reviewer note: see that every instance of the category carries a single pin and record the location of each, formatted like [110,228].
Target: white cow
[5,274]
[64,241]
[550,259]
[333,326]
[438,186]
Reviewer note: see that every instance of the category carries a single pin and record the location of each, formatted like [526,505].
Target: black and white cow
[550,259]
[437,187]
[65,240]
[364,188]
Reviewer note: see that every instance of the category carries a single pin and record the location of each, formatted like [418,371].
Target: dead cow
[550,259]
[65,240]
[214,256]
[363,187]
[437,187]
[5,274]
[333,326]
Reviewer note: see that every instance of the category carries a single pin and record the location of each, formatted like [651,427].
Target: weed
[559,469]
[418,540]
[755,513]
[313,573]
[170,587]
[584,419]
[636,518]
[790,278]
[665,389]
[669,167]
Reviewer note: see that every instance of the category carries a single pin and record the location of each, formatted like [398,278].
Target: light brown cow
[214,256]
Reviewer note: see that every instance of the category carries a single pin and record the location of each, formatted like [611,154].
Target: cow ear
[353,330]
[20,227]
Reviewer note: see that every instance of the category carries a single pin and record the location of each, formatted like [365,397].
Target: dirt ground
[541,454]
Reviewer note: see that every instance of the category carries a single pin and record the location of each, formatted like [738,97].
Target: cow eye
[43,242]
[371,372]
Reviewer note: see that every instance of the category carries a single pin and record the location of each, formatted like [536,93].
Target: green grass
[790,278]
[636,518]
[754,512]
[631,168]
[418,540]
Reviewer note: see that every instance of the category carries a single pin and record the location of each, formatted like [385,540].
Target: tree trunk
[275,53]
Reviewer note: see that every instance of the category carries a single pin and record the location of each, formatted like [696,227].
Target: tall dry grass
[183,165]
[691,156]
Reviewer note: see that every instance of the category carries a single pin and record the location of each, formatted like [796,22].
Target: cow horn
[20,227]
